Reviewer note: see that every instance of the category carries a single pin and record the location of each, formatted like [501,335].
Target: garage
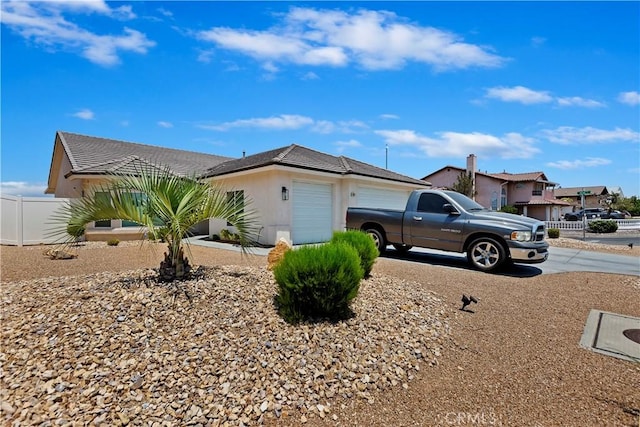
[312,212]
[369,197]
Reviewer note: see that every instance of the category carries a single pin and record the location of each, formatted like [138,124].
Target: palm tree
[167,205]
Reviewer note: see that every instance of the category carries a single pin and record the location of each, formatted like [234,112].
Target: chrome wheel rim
[485,254]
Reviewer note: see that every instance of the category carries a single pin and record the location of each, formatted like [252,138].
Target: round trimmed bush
[553,233]
[316,282]
[603,226]
[362,243]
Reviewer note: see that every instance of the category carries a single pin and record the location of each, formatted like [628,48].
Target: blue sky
[526,86]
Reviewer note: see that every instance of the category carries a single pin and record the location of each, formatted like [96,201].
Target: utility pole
[386,156]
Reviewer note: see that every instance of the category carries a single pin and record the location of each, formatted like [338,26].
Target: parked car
[589,213]
[613,215]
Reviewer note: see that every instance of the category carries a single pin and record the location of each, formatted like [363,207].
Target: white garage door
[369,197]
[312,213]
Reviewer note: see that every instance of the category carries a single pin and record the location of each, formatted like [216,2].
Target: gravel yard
[92,340]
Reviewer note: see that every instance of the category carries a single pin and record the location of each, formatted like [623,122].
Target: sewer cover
[612,334]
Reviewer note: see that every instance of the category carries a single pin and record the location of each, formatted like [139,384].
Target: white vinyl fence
[27,220]
[623,224]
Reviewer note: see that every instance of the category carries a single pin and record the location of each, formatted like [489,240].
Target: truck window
[431,203]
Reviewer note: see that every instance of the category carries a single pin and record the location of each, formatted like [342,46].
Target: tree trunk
[174,267]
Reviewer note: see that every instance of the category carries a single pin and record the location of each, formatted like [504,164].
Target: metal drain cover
[612,334]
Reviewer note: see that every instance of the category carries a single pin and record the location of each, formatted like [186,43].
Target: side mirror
[450,209]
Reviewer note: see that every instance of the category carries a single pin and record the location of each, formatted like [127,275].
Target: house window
[503,197]
[140,200]
[103,197]
[236,198]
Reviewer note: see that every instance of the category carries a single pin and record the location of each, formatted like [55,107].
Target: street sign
[584,192]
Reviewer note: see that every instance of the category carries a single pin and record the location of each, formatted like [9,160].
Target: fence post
[19,222]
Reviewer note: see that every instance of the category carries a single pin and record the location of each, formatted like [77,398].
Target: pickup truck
[450,221]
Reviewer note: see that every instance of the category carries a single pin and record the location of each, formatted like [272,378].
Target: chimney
[472,167]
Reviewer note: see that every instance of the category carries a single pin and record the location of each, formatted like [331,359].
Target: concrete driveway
[560,260]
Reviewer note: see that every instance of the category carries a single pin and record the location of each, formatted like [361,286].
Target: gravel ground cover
[92,340]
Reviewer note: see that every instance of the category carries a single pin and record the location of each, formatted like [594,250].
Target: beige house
[594,197]
[531,193]
[299,193]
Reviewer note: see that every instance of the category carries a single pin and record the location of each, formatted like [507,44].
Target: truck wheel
[486,254]
[378,238]
[403,249]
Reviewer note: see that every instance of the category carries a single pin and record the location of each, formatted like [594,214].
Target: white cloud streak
[84,114]
[589,162]
[527,96]
[344,145]
[22,188]
[629,98]
[165,125]
[45,24]
[291,122]
[568,135]
[455,144]
[374,40]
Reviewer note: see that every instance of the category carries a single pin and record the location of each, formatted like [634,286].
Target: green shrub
[225,234]
[159,233]
[553,233]
[317,282]
[362,243]
[603,226]
[509,209]
[113,242]
[215,237]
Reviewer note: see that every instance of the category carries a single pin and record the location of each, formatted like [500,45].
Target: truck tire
[486,254]
[378,238]
[403,249]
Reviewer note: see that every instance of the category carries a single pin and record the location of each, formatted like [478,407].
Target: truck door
[431,226]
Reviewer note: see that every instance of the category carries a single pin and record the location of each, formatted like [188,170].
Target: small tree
[464,184]
[167,205]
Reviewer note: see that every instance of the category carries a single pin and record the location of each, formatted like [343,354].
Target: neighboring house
[531,193]
[595,197]
[300,194]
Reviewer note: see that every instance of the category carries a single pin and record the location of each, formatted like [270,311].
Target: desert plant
[317,282]
[225,234]
[113,242]
[159,200]
[362,243]
[215,237]
[75,231]
[603,226]
[553,233]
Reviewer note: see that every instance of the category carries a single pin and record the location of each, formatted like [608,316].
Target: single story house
[531,193]
[300,194]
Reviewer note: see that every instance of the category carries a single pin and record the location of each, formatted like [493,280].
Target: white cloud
[22,188]
[165,125]
[579,102]
[389,117]
[568,135]
[589,162]
[455,144]
[84,114]
[374,40]
[519,94]
[291,122]
[281,122]
[538,41]
[165,12]
[344,145]
[310,76]
[45,24]
[630,98]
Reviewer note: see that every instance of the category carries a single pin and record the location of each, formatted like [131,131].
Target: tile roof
[544,202]
[526,176]
[301,157]
[93,155]
[101,156]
